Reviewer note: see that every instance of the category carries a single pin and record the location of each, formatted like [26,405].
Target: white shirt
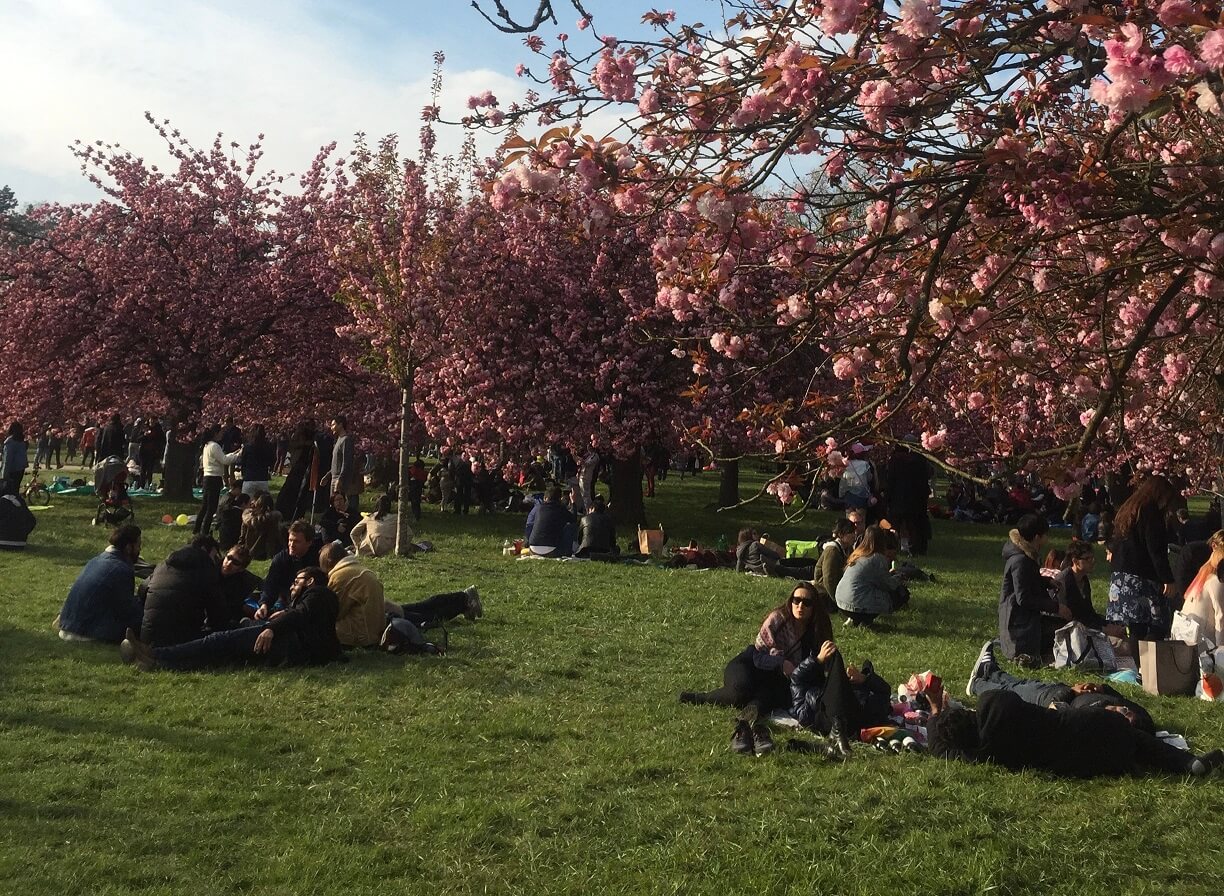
[215,460]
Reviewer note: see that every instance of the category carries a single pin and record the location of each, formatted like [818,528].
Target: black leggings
[208,507]
[831,701]
[747,687]
[443,607]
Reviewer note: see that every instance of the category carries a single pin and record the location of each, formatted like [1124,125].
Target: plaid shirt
[778,641]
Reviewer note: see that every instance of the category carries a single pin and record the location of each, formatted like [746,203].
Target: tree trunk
[403,530]
[179,473]
[728,483]
[628,509]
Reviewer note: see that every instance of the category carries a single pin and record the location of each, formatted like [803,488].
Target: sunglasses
[803,601]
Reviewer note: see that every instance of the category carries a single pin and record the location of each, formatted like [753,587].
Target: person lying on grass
[303,634]
[987,676]
[1079,742]
[756,680]
[751,555]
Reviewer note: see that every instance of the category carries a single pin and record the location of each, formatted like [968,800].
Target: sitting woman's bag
[1076,645]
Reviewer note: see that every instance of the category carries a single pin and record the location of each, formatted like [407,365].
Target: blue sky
[303,72]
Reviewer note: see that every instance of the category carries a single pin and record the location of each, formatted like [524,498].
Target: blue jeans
[235,647]
[1040,693]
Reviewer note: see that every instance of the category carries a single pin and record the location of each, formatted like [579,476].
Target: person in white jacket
[214,461]
[375,534]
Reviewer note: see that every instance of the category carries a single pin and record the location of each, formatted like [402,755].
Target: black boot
[741,739]
[839,741]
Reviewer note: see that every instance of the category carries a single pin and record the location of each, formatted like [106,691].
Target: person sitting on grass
[752,556]
[102,602]
[1075,588]
[831,698]
[1080,742]
[550,526]
[1025,594]
[987,676]
[183,597]
[302,634]
[302,552]
[229,515]
[597,531]
[757,679]
[364,608]
[261,529]
[833,556]
[238,583]
[867,589]
[374,535]
[1204,597]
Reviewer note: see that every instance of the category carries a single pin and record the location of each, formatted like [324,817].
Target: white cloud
[301,74]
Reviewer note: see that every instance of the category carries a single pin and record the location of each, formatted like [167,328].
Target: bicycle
[37,493]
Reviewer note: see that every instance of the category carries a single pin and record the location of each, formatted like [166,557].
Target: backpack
[402,636]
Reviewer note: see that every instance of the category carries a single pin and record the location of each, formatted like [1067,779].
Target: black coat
[1022,599]
[111,442]
[310,621]
[1078,600]
[183,597]
[1144,550]
[1076,742]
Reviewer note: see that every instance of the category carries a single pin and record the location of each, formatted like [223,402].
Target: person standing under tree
[345,476]
[215,461]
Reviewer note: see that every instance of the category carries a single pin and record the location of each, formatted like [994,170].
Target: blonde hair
[875,541]
[1206,571]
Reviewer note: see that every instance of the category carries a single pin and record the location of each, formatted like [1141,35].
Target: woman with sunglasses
[756,680]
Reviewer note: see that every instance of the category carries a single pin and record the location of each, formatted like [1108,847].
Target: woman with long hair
[375,533]
[258,459]
[868,588]
[756,681]
[15,458]
[261,529]
[1204,599]
[1141,576]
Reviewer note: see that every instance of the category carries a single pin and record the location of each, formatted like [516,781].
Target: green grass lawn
[546,753]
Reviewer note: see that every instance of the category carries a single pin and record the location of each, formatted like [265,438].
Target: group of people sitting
[556,528]
[854,572]
[795,665]
[203,607]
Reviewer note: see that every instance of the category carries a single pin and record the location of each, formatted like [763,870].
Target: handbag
[1185,628]
[651,541]
[1076,645]
[1168,667]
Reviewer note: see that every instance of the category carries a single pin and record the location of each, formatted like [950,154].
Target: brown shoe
[133,650]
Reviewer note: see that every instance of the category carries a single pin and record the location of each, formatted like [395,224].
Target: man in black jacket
[303,634]
[987,676]
[183,596]
[303,551]
[1075,743]
[597,531]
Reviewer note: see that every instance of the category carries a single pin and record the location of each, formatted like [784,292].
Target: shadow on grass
[191,740]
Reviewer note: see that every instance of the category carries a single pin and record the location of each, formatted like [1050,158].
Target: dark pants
[235,647]
[13,483]
[88,457]
[208,507]
[860,618]
[414,498]
[833,701]
[1040,693]
[747,687]
[796,568]
[462,497]
[440,607]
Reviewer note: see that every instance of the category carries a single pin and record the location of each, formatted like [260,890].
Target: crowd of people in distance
[203,607]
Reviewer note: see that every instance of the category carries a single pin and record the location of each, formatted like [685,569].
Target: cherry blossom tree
[1018,251]
[174,294]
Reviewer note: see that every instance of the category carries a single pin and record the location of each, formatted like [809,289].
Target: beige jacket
[362,618]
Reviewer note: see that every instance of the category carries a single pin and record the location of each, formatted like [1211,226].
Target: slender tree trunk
[728,483]
[403,529]
[179,473]
[628,508]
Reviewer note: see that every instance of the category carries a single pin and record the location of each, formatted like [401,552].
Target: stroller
[110,485]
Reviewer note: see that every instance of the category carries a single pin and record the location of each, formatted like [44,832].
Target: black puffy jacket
[183,594]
